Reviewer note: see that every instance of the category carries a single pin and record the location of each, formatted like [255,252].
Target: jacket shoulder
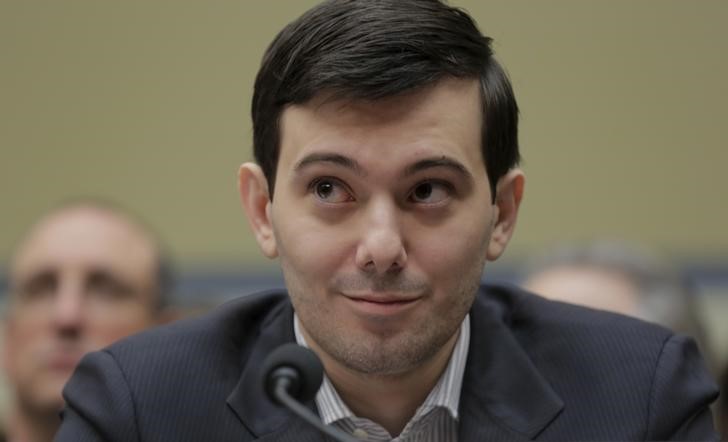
[181,372]
[621,374]
[226,329]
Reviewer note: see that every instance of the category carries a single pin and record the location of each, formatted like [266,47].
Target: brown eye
[431,192]
[324,189]
[423,191]
[330,190]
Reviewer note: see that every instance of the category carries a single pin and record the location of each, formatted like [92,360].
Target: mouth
[64,362]
[382,304]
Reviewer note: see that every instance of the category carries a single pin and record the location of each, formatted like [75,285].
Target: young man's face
[382,219]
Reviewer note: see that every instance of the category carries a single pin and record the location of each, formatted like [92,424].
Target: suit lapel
[503,397]
[264,419]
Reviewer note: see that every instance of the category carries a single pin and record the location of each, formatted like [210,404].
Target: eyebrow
[437,162]
[348,163]
[333,158]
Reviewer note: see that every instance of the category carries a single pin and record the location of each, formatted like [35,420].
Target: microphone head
[300,365]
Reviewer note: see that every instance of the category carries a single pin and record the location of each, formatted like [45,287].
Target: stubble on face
[393,351]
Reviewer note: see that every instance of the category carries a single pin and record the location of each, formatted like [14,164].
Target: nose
[68,308]
[382,247]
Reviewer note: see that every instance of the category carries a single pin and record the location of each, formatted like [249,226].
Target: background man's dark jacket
[537,369]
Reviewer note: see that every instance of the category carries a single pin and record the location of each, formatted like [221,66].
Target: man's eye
[430,192]
[37,287]
[331,191]
[104,285]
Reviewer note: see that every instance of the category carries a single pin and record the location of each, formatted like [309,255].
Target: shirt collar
[445,393]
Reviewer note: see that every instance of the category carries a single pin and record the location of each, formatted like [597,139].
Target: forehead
[84,238]
[444,118]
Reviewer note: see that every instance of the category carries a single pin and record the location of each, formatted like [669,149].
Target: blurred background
[146,103]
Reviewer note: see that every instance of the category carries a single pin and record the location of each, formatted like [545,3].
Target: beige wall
[146,101]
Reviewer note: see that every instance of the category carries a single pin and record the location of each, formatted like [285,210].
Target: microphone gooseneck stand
[293,374]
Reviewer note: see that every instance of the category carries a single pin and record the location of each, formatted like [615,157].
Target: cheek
[311,250]
[107,325]
[28,327]
[23,339]
[453,250]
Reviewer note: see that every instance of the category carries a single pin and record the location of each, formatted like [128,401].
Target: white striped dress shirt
[436,420]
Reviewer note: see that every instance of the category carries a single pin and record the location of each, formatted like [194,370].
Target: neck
[32,427]
[389,400]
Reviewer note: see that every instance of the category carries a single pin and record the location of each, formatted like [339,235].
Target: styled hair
[373,49]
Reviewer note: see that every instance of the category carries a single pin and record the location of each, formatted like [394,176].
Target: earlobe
[508,200]
[253,188]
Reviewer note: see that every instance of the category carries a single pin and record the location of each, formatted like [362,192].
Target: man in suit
[85,275]
[385,138]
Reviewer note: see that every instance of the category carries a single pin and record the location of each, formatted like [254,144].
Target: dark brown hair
[371,49]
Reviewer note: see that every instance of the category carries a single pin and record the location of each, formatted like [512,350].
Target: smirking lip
[383,299]
[382,306]
[63,362]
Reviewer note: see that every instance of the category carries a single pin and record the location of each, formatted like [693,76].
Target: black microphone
[292,374]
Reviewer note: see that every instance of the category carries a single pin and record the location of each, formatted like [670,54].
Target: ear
[509,192]
[255,198]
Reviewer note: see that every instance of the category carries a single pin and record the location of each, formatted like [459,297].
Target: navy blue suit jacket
[537,369]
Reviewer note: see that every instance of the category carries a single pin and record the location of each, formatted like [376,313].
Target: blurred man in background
[622,278]
[85,275]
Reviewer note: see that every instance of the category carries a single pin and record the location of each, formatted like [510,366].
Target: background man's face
[82,279]
[587,285]
[382,219]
